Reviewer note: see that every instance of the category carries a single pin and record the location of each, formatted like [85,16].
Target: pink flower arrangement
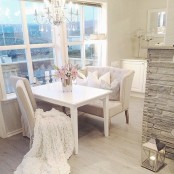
[67,71]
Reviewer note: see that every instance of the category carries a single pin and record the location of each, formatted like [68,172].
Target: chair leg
[127,116]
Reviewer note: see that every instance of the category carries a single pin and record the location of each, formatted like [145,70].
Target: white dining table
[80,95]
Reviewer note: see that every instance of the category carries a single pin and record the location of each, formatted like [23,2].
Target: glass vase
[67,84]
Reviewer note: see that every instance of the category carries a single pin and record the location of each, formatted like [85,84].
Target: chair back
[26,105]
[125,88]
[14,80]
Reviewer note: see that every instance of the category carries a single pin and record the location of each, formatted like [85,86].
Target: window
[42,59]
[10,23]
[38,34]
[92,54]
[84,21]
[92,20]
[26,46]
[73,14]
[13,63]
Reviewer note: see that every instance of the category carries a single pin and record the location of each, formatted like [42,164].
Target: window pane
[42,53]
[12,56]
[13,63]
[39,69]
[76,62]
[39,33]
[92,20]
[92,54]
[43,60]
[74,53]
[73,22]
[10,23]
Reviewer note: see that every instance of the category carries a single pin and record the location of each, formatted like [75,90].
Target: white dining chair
[62,121]
[35,104]
[24,122]
[26,106]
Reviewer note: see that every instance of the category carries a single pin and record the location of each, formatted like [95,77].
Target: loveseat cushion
[96,108]
[114,87]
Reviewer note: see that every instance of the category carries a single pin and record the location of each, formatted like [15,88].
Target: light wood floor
[120,153]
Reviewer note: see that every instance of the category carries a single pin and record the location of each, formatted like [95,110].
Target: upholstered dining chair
[14,80]
[24,122]
[35,104]
[26,107]
[61,123]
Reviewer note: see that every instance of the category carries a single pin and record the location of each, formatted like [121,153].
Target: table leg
[106,116]
[74,121]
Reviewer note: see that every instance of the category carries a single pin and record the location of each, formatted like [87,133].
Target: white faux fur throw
[53,144]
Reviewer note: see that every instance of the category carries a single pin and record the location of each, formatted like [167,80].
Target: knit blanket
[53,144]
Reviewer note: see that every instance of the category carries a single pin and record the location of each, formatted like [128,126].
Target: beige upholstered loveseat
[124,78]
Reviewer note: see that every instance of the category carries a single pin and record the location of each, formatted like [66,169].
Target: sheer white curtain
[60,42]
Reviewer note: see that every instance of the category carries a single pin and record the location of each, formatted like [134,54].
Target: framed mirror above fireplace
[156,22]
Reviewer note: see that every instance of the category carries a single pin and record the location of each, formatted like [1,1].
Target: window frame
[59,38]
[27,47]
[83,42]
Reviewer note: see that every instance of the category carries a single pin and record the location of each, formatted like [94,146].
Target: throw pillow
[105,77]
[115,87]
[93,79]
[83,71]
[81,79]
[81,75]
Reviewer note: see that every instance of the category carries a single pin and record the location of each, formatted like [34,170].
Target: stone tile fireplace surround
[158,114]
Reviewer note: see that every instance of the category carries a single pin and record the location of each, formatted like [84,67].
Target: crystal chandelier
[52,13]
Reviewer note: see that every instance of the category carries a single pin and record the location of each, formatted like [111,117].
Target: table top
[79,96]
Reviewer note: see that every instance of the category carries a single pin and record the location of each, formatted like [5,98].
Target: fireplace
[158,114]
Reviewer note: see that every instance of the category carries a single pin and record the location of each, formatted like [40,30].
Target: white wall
[124,18]
[12,116]
[122,22]
[143,8]
[146,5]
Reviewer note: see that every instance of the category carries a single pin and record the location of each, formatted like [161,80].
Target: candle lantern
[153,155]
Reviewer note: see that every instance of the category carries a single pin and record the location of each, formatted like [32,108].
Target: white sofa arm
[125,88]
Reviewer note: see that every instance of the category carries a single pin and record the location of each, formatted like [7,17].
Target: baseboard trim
[9,134]
[137,94]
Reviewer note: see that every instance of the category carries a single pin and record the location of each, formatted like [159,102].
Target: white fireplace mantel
[161,47]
